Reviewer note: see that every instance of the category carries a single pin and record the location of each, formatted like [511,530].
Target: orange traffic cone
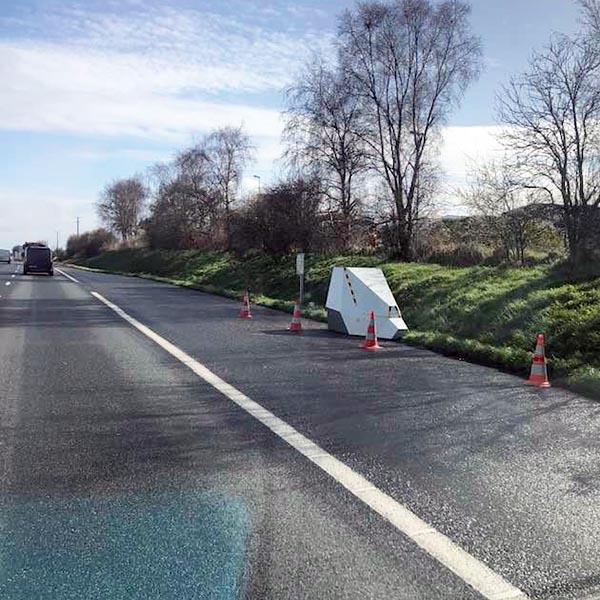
[245,312]
[296,324]
[539,372]
[370,342]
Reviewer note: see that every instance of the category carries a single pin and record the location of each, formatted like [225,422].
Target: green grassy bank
[489,315]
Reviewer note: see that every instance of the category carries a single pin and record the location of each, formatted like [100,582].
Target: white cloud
[463,147]
[151,116]
[37,215]
[50,88]
[155,72]
[143,156]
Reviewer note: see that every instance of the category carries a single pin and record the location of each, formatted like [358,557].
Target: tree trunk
[227,228]
[403,233]
[576,230]
[404,249]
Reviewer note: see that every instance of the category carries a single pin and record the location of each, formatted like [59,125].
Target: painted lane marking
[472,571]
[13,275]
[7,283]
[67,275]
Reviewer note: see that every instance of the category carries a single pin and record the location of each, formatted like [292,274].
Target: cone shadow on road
[320,333]
[344,351]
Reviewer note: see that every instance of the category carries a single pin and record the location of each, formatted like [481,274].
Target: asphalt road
[125,475]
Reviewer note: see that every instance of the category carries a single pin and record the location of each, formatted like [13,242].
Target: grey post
[300,273]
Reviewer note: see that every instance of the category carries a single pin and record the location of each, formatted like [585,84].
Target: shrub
[458,256]
[89,244]
[283,219]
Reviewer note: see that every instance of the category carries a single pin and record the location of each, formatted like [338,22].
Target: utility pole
[77,226]
[57,241]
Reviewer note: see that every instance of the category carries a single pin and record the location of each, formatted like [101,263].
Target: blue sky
[98,89]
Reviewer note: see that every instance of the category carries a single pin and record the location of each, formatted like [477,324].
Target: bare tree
[286,217]
[178,219]
[121,205]
[190,192]
[591,18]
[498,197]
[192,172]
[194,194]
[410,61]
[184,209]
[552,113]
[228,151]
[322,133]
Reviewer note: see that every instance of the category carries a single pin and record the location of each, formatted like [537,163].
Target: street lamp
[258,178]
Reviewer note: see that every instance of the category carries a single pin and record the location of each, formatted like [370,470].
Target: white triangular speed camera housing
[356,291]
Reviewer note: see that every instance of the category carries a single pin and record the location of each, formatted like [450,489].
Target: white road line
[67,275]
[472,571]
[7,283]
[13,275]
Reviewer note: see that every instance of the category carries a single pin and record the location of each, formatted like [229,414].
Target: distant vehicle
[5,256]
[38,259]
[29,244]
[16,252]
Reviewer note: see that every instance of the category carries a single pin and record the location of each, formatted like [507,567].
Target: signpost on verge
[300,273]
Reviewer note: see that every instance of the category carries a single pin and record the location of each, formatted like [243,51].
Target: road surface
[130,469]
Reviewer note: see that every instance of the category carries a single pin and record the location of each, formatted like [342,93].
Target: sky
[93,90]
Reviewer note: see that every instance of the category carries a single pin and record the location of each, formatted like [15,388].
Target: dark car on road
[38,259]
[5,256]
